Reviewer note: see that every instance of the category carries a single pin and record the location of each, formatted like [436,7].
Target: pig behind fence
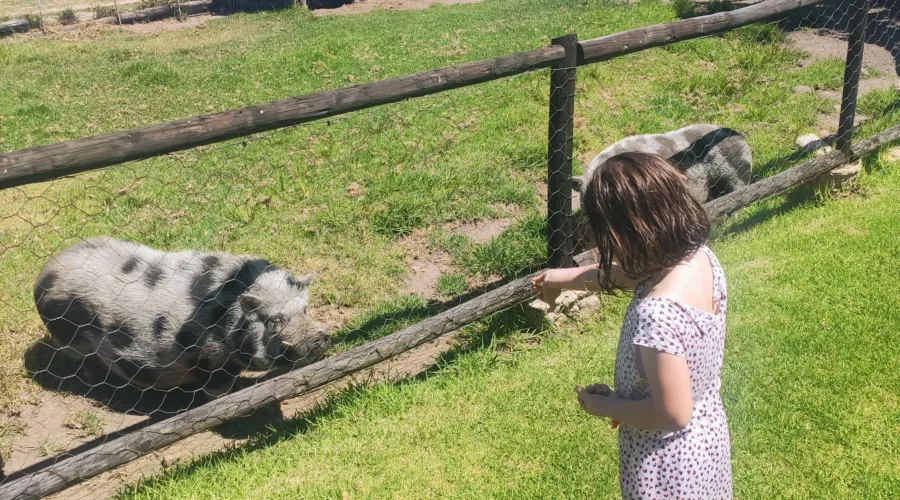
[129,314]
[715,160]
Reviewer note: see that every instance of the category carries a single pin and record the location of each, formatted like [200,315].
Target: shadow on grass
[267,428]
[797,197]
[55,372]
[790,202]
[267,424]
[777,165]
[392,317]
[239,428]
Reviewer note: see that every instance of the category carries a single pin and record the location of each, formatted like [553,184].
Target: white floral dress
[694,462]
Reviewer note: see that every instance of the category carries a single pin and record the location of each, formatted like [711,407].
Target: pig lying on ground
[715,160]
[129,314]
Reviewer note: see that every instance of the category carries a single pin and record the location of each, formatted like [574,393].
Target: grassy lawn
[357,197]
[808,388]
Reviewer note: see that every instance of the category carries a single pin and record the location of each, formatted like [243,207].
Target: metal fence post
[41,13]
[855,45]
[560,245]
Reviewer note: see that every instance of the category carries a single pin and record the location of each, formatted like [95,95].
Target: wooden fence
[563,56]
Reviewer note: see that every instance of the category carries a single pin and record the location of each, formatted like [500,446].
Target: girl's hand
[594,399]
[546,286]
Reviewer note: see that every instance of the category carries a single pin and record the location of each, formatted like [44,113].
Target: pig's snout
[320,334]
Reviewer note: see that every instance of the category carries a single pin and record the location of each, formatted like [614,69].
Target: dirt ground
[363,6]
[820,46]
[426,266]
[169,24]
[105,485]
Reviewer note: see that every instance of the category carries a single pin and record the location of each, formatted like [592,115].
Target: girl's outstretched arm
[550,283]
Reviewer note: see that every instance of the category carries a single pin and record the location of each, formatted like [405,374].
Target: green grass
[466,155]
[67,16]
[88,422]
[811,399]
[349,196]
[452,285]
[341,197]
[34,21]
[101,11]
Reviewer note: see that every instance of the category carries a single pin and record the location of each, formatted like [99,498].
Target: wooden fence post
[855,45]
[560,244]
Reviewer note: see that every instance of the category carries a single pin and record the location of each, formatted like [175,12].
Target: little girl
[651,238]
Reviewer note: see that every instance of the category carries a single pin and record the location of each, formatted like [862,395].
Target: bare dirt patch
[169,24]
[53,8]
[855,231]
[195,21]
[333,317]
[406,365]
[425,272]
[826,45]
[821,46]
[363,6]
[426,266]
[893,155]
[755,264]
[54,424]
[481,231]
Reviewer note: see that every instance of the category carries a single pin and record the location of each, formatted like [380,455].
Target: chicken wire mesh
[400,211]
[718,111]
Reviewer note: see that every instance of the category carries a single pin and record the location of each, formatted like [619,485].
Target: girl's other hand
[598,389]
[594,399]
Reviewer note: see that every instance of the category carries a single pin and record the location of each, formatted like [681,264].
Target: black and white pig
[129,314]
[715,160]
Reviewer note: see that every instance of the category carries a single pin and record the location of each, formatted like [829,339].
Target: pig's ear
[304,281]
[249,303]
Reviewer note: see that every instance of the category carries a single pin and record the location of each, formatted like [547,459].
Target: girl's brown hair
[643,216]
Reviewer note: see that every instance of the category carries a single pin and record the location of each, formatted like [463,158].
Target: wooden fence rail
[627,42]
[14,26]
[51,161]
[80,155]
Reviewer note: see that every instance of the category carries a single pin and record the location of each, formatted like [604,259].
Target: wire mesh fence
[719,115]
[397,209]
[133,294]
